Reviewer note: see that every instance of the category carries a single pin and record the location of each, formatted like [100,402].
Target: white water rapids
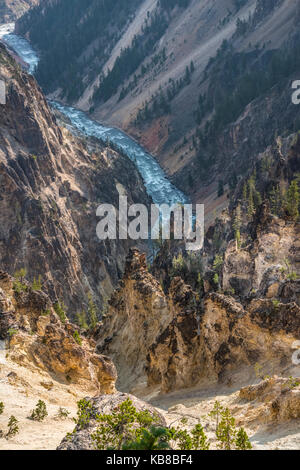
[161,190]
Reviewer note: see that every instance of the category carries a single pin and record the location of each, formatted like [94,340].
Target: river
[161,190]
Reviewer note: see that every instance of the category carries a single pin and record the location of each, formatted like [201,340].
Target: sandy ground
[195,405]
[20,390]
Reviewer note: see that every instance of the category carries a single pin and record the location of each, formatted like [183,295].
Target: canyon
[177,331]
[171,96]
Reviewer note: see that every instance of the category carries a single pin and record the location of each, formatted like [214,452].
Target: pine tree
[226,431]
[275,200]
[242,440]
[292,200]
[216,412]
[92,311]
[237,223]
[81,320]
[251,207]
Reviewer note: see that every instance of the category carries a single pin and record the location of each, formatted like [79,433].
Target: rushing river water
[157,184]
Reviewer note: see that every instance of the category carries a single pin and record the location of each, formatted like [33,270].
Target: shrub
[59,308]
[82,320]
[292,276]
[40,411]
[13,427]
[63,413]
[77,338]
[37,284]
[124,425]
[85,412]
[292,383]
[155,438]
[18,287]
[12,331]
[1,407]
[216,279]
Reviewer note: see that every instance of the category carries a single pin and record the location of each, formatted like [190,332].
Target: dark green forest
[75,40]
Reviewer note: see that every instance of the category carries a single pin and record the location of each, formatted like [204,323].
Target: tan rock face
[262,266]
[274,400]
[38,340]
[138,312]
[179,341]
[224,346]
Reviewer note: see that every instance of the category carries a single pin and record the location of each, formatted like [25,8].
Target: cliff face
[243,311]
[138,311]
[40,341]
[179,342]
[10,10]
[51,185]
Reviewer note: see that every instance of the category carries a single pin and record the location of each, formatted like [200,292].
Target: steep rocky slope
[51,185]
[43,357]
[39,340]
[205,88]
[13,9]
[243,306]
[192,344]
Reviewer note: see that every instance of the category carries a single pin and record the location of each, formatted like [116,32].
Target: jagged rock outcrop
[51,184]
[138,312]
[178,343]
[81,439]
[274,400]
[181,341]
[223,347]
[40,341]
[262,265]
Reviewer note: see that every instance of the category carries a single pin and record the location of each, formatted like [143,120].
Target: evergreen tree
[226,431]
[292,200]
[242,440]
[92,312]
[237,223]
[275,198]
